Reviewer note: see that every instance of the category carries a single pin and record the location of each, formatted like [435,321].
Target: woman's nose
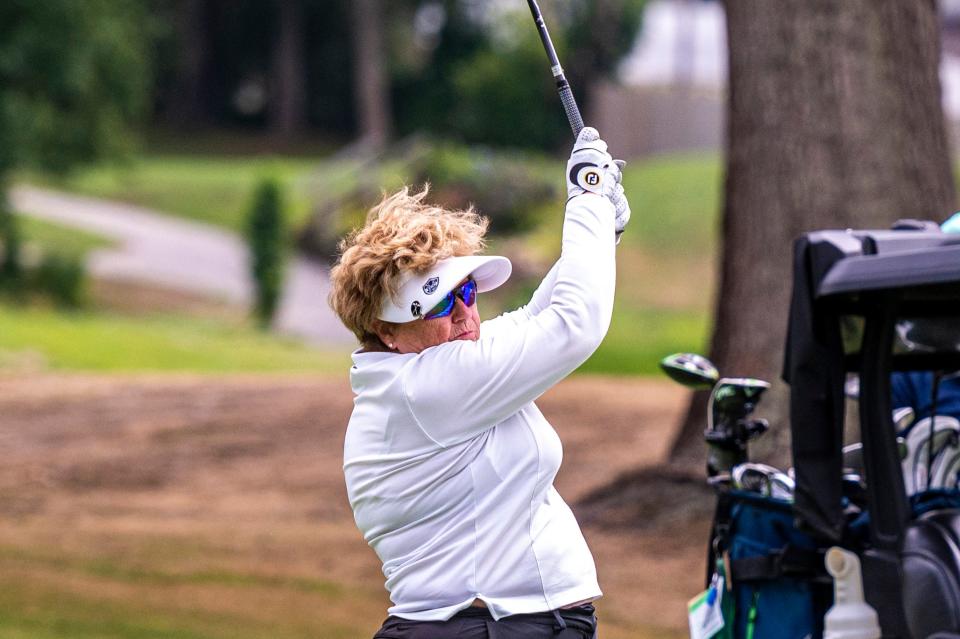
[459,309]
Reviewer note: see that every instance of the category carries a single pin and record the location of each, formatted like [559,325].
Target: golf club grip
[570,107]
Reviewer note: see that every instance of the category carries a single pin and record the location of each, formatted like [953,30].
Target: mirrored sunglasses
[466,292]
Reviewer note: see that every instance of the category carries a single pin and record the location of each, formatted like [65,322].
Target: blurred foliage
[479,73]
[73,76]
[234,43]
[471,70]
[62,278]
[11,269]
[49,263]
[506,98]
[509,188]
[267,241]
[505,187]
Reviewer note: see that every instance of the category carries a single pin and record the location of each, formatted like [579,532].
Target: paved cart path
[188,256]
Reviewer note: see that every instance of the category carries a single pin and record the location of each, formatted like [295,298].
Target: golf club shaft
[563,87]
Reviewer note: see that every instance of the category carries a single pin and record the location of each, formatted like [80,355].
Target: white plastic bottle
[850,617]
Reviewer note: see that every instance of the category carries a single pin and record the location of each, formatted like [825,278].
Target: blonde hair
[401,234]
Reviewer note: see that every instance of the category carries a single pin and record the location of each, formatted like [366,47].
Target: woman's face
[412,337]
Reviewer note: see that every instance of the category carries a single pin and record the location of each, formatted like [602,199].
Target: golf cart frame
[871,280]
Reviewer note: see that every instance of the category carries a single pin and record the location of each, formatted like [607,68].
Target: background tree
[477,70]
[370,74]
[366,68]
[288,113]
[73,77]
[187,64]
[834,121]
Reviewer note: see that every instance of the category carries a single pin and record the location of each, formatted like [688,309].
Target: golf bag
[774,573]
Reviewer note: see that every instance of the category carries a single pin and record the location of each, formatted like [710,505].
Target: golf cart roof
[868,280]
[855,261]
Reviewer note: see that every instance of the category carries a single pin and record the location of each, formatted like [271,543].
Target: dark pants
[477,623]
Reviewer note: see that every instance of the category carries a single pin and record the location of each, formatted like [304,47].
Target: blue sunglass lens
[466,291]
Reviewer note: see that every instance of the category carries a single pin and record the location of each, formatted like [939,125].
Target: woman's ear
[386,331]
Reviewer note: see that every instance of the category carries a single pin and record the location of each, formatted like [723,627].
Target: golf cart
[868,303]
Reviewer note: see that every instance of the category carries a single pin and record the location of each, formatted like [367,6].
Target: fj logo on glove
[431,285]
[585,175]
[415,309]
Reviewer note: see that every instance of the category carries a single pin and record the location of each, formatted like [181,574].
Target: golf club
[946,466]
[691,370]
[728,429]
[763,479]
[563,87]
[926,436]
[902,419]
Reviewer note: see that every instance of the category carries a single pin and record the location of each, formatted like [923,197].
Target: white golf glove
[591,169]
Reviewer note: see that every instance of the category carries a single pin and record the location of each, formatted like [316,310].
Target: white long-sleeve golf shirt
[449,464]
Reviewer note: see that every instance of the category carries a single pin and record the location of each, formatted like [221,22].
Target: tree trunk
[288,105]
[370,73]
[187,102]
[834,121]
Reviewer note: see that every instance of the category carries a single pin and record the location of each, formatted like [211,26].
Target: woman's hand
[592,170]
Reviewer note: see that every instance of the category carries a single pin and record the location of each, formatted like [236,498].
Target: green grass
[42,610]
[142,572]
[639,339]
[54,595]
[40,338]
[59,239]
[675,203]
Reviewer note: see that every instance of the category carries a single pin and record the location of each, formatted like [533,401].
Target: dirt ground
[224,498]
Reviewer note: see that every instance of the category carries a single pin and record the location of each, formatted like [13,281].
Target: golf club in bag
[763,577]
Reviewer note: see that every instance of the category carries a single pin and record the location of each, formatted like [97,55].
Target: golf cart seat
[930,560]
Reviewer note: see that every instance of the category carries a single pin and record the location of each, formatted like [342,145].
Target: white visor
[420,292]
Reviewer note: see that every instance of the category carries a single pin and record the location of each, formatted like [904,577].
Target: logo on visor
[431,286]
[415,309]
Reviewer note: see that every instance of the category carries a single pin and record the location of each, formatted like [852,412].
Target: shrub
[265,236]
[11,268]
[62,278]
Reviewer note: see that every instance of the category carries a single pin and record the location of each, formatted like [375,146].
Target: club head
[902,419]
[751,478]
[782,486]
[943,429]
[763,479]
[691,370]
[736,397]
[946,467]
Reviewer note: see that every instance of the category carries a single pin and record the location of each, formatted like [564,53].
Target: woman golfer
[449,464]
